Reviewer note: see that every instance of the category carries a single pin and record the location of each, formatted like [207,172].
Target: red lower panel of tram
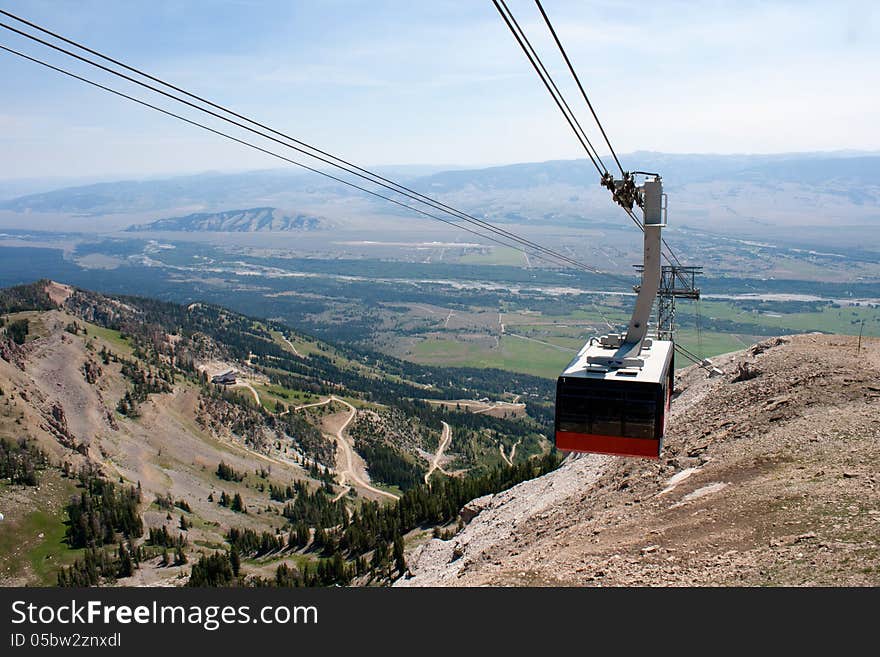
[591,443]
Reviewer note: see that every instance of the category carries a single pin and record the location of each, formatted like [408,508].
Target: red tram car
[620,411]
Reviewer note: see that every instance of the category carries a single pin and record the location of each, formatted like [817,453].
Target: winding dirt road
[297,408]
[292,348]
[445,439]
[245,384]
[513,450]
[509,459]
[346,470]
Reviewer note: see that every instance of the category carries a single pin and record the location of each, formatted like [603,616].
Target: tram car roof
[654,356]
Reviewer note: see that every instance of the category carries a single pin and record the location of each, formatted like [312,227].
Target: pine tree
[126,567]
[302,534]
[399,560]
[379,555]
[320,538]
[235,561]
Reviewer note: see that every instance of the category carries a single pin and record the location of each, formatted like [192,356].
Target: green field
[388,488]
[47,557]
[111,337]
[528,357]
[514,354]
[35,540]
[271,395]
[497,255]
[543,344]
[845,320]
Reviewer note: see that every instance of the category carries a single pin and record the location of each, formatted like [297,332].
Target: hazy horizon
[76,181]
[443,82]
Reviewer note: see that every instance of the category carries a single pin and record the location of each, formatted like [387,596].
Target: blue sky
[396,82]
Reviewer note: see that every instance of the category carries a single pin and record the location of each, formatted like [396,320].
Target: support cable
[525,45]
[536,63]
[353,170]
[396,187]
[294,162]
[578,81]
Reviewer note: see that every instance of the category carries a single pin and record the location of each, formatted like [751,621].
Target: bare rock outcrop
[473,508]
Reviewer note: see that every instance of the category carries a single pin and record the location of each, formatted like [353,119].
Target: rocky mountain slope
[768,474]
[103,393]
[768,477]
[70,390]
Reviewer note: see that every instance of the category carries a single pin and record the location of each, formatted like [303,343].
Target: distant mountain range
[831,197]
[855,171]
[677,170]
[131,196]
[250,220]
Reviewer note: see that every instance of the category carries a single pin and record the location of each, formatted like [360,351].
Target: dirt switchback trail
[768,476]
[509,459]
[245,384]
[299,408]
[445,439]
[346,469]
[513,450]
[292,347]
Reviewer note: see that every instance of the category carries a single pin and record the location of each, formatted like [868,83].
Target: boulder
[473,508]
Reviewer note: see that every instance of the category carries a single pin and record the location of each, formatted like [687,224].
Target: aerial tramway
[614,397]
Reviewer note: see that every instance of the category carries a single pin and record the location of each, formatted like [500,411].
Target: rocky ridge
[768,477]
